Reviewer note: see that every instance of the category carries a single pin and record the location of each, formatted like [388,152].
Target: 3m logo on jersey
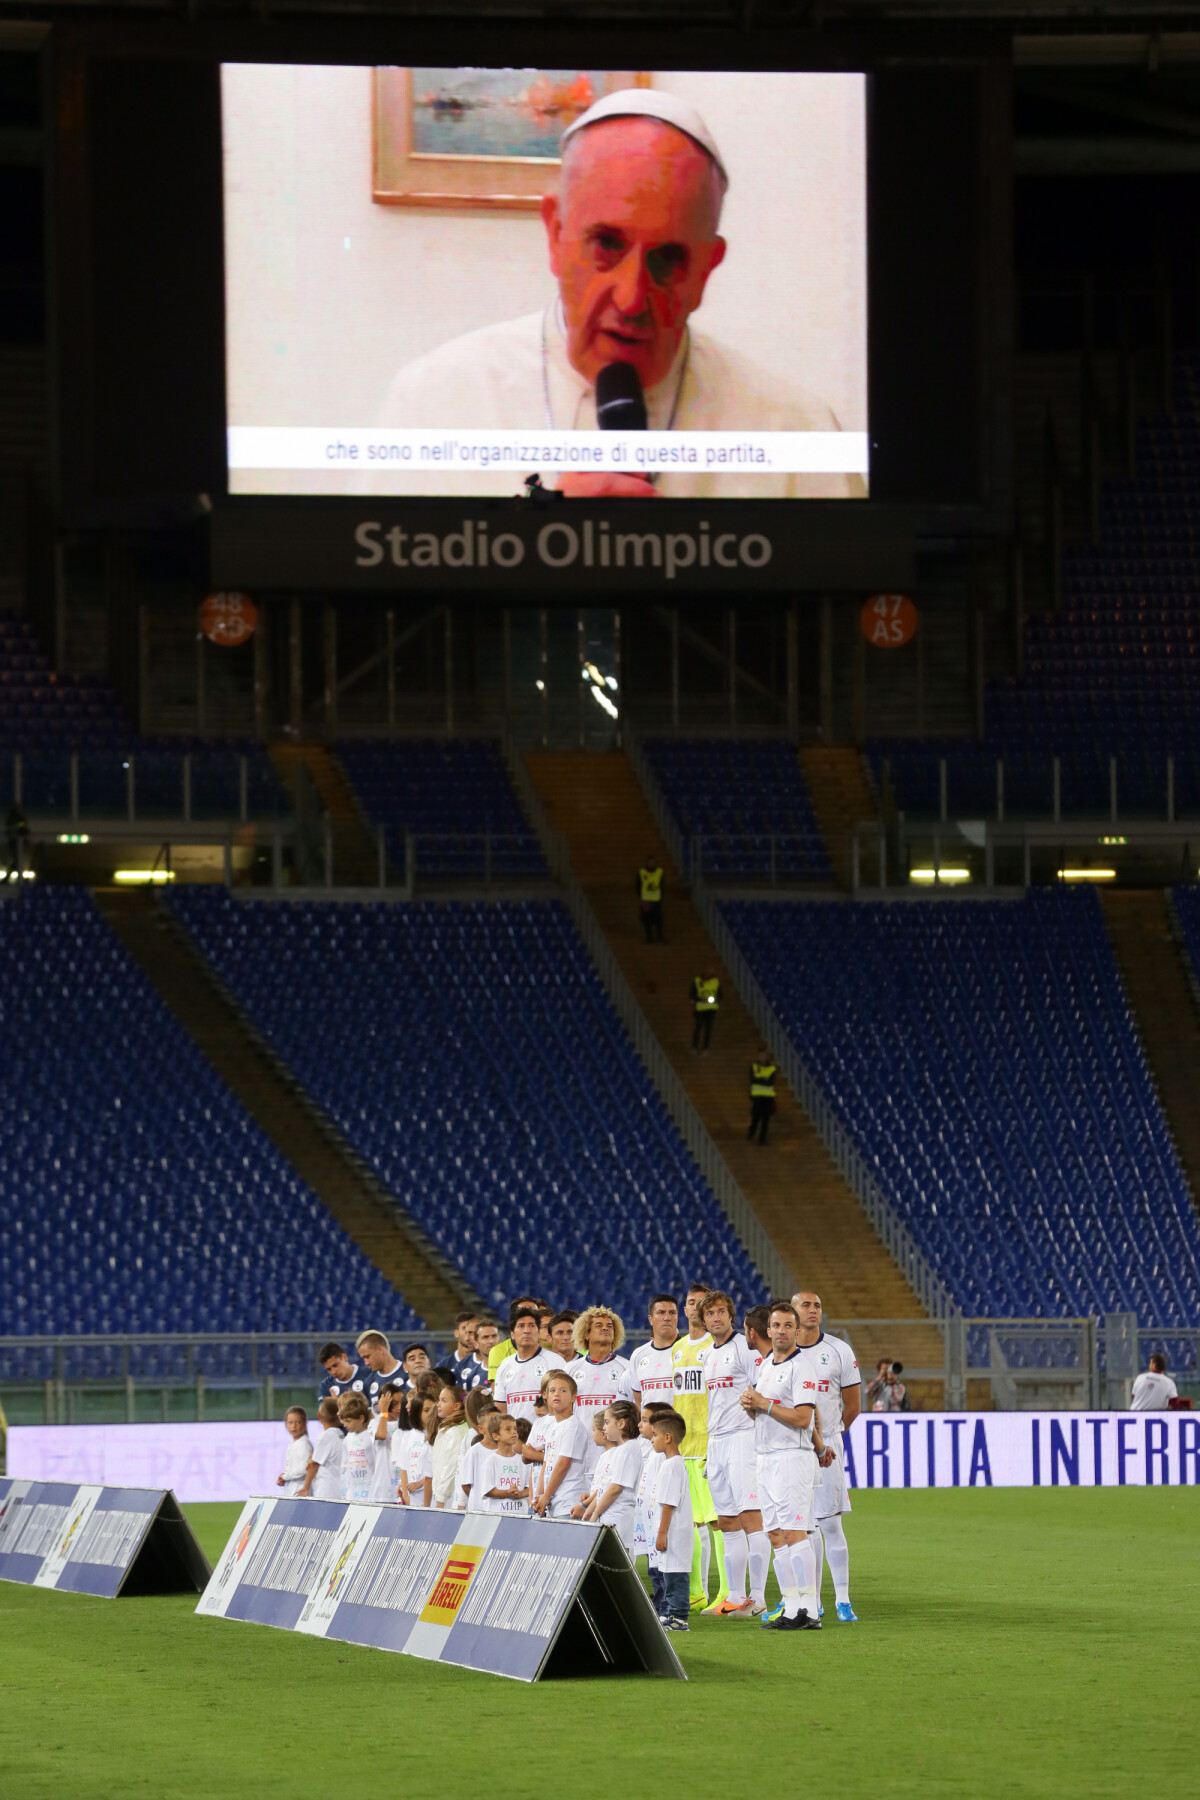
[450,1588]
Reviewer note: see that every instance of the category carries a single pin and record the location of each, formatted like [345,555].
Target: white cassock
[515,376]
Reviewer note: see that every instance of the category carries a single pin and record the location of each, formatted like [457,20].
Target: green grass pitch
[1011,1643]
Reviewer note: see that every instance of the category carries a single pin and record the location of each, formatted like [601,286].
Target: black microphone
[620,402]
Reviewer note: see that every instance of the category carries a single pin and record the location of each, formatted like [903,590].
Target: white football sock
[736,1554]
[837,1552]
[804,1564]
[785,1575]
[705,1555]
[760,1561]
[818,1549]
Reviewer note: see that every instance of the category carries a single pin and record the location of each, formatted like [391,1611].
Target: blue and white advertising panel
[85,1539]
[1059,1449]
[479,1590]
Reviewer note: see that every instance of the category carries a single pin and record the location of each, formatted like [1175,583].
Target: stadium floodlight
[947,877]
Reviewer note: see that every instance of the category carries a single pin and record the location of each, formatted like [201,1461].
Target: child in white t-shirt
[416,1472]
[599,1446]
[565,1468]
[654,1409]
[669,1523]
[323,1477]
[299,1451]
[535,1444]
[479,1407]
[385,1481]
[618,1473]
[358,1448]
[503,1472]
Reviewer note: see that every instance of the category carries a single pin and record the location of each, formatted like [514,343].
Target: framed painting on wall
[478,137]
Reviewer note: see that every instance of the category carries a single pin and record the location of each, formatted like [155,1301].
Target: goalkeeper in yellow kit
[691,1401]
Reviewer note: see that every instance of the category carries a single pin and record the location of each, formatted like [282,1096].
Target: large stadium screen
[622,282]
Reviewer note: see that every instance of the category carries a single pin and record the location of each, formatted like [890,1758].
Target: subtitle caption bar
[551,453]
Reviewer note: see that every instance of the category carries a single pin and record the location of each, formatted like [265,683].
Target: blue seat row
[983,1060]
[450,794]
[743,804]
[137,1193]
[471,1056]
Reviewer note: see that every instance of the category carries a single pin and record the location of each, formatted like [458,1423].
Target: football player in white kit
[729,1367]
[651,1368]
[787,1436]
[839,1395]
[601,1375]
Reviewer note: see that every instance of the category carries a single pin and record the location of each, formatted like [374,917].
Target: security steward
[650,897]
[762,1093]
[706,1004]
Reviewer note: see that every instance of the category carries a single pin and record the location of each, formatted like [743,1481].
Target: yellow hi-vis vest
[651,880]
[762,1081]
[706,995]
[691,1393]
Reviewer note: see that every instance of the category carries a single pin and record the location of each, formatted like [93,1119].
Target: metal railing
[716,1171]
[147,787]
[1010,1364]
[885,1221]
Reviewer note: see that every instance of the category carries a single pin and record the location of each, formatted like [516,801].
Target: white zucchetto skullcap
[648,103]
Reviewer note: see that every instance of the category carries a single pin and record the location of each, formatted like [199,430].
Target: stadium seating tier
[983,1059]
[471,1056]
[137,1194]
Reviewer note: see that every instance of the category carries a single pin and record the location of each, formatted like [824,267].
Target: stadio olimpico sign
[658,546]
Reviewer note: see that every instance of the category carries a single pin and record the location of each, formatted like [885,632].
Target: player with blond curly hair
[601,1375]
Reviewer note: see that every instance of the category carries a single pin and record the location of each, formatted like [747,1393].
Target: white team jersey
[792,1382]
[619,1466]
[519,1383]
[652,1374]
[497,1471]
[568,1438]
[418,1463]
[327,1482]
[295,1463]
[836,1368]
[358,1464]
[729,1369]
[1151,1391]
[599,1384]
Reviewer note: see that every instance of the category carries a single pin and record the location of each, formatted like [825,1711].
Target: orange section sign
[450,1589]
[228,619]
[889,620]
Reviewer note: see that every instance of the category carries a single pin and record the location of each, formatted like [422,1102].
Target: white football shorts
[786,1482]
[833,1496]
[732,1471]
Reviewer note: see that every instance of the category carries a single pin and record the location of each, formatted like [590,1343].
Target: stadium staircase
[806,1208]
[1153,969]
[841,797]
[355,852]
[293,1125]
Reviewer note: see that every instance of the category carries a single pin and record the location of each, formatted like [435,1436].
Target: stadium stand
[138,1195]
[983,1058]
[471,1057]
[735,795]
[45,718]
[1185,904]
[39,708]
[1115,674]
[448,793]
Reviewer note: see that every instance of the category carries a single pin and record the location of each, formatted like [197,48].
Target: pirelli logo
[450,1589]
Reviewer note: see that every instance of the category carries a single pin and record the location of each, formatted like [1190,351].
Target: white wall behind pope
[329,293]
